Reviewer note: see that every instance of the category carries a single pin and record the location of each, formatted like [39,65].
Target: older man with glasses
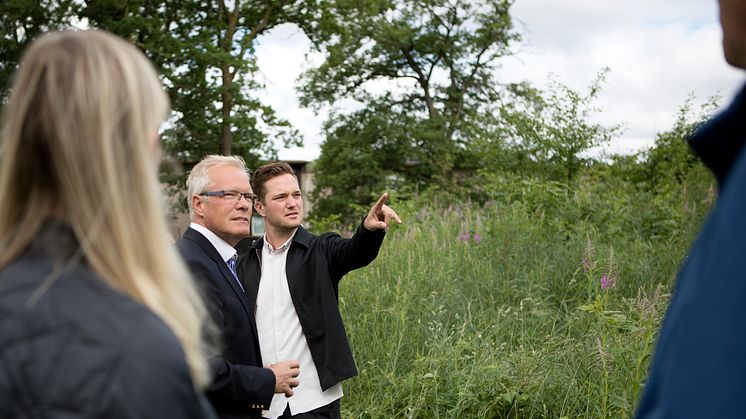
[220,208]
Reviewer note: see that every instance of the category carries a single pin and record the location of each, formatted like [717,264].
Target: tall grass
[514,324]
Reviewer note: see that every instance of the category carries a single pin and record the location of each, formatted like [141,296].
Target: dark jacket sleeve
[353,253]
[231,382]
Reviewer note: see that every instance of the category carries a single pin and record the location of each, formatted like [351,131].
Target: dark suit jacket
[240,388]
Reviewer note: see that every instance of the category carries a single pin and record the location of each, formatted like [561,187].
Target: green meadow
[541,303]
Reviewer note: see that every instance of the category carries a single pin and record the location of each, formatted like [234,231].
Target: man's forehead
[228,175]
[285,183]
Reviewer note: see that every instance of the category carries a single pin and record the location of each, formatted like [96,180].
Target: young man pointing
[292,279]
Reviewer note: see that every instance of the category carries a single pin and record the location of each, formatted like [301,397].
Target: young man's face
[282,206]
[229,221]
[733,21]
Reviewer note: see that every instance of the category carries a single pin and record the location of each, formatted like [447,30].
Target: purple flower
[477,238]
[463,236]
[608,282]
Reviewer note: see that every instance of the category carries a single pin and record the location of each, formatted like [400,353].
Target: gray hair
[199,178]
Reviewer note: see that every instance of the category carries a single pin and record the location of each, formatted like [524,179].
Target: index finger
[379,204]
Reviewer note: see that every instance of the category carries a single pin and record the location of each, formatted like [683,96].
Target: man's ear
[259,207]
[198,206]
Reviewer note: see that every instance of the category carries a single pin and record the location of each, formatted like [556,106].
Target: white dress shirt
[281,336]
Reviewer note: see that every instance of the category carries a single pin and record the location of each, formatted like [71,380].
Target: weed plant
[506,310]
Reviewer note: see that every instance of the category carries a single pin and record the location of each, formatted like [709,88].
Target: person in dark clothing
[291,278]
[99,317]
[220,206]
[72,346]
[697,370]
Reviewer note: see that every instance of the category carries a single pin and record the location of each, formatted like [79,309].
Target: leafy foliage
[671,161]
[205,53]
[436,60]
[553,131]
[503,311]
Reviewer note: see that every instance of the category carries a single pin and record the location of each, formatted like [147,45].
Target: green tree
[366,152]
[424,73]
[554,131]
[441,56]
[205,52]
[670,161]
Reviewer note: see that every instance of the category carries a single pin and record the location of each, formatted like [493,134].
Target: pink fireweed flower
[463,237]
[477,238]
[608,282]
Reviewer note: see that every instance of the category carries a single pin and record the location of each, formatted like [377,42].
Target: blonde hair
[79,136]
[199,178]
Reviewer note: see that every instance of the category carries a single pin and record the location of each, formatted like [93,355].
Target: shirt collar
[280,249]
[225,250]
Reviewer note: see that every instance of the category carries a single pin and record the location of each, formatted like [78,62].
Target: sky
[659,52]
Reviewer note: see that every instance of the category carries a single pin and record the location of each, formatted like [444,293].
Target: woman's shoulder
[52,295]
[68,339]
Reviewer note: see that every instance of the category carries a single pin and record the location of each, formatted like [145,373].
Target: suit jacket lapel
[209,249]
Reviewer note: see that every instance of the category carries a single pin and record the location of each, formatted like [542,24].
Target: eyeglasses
[232,196]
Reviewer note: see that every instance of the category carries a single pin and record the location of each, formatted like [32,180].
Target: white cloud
[658,53]
[282,55]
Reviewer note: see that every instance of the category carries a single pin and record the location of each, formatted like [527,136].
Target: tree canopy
[204,51]
[416,100]
[423,73]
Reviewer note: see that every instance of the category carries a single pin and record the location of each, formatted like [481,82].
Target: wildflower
[608,282]
[477,238]
[463,237]
[586,265]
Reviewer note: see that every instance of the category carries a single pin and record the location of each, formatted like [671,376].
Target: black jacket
[73,347]
[315,265]
[241,388]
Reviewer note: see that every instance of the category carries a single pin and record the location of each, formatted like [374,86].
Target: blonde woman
[98,316]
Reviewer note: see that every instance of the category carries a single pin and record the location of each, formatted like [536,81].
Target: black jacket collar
[720,141]
[302,237]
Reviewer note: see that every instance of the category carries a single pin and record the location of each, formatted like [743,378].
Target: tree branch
[424,82]
[255,31]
